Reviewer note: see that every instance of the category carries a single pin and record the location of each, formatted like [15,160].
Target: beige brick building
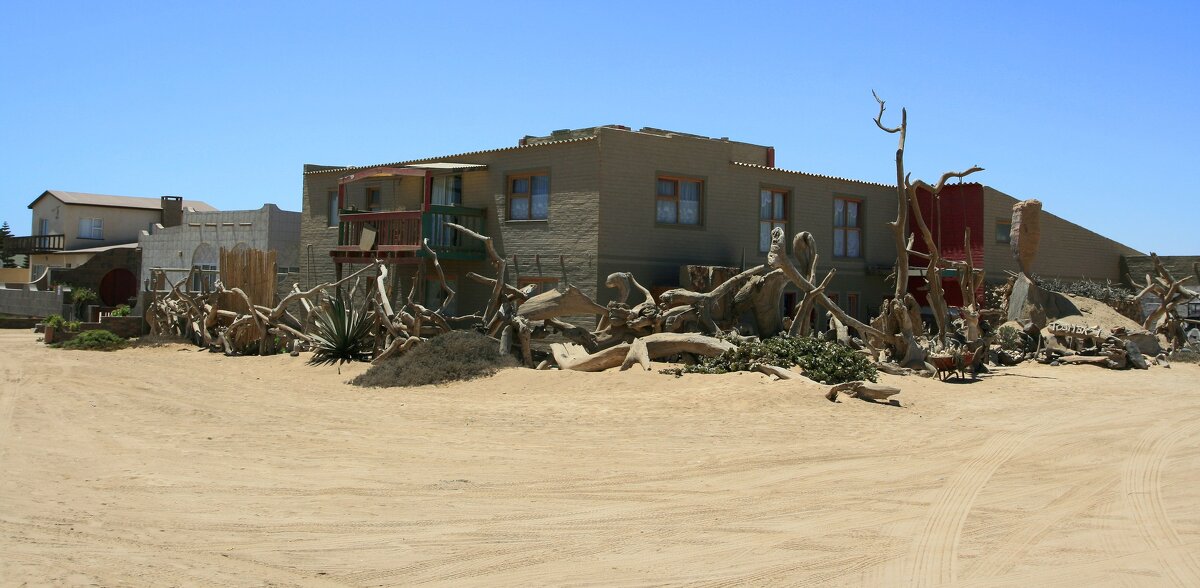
[574,206]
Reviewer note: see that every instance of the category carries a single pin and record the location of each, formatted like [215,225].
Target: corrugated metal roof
[118,201]
[448,165]
[810,174]
[411,162]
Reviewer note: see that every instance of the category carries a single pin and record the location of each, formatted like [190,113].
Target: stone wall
[35,303]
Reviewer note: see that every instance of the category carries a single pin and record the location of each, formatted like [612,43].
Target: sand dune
[160,467]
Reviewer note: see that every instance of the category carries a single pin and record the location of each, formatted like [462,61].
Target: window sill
[91,238]
[521,221]
[658,225]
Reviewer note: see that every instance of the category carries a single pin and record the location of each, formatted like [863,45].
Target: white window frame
[94,228]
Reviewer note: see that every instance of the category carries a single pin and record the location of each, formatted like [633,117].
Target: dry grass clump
[454,356]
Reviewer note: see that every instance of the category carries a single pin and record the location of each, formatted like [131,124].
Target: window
[1004,231]
[374,199]
[678,201]
[331,208]
[44,226]
[204,279]
[543,284]
[847,227]
[91,228]
[851,307]
[529,197]
[772,213]
[447,190]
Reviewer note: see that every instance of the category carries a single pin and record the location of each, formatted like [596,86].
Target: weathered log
[863,391]
[658,345]
[554,303]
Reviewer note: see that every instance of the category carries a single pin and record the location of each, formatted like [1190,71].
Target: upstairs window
[679,201]
[529,197]
[447,190]
[43,226]
[374,199]
[331,209]
[772,213]
[91,228]
[847,227]
[1004,231]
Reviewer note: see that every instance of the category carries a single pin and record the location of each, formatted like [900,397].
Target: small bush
[72,326]
[55,321]
[454,356]
[823,361]
[342,333]
[80,298]
[98,340]
[121,310]
[1010,339]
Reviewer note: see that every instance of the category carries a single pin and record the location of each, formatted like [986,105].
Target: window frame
[996,230]
[367,191]
[96,226]
[786,193]
[447,184]
[509,195]
[333,216]
[858,228]
[676,179]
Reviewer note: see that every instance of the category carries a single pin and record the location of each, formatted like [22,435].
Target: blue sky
[1090,107]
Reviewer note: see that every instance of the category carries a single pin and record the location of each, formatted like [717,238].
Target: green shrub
[823,361]
[98,340]
[342,333]
[121,310]
[72,326]
[1010,339]
[80,298]
[55,321]
[454,356]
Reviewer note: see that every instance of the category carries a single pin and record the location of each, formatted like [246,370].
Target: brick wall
[563,247]
[1066,250]
[25,302]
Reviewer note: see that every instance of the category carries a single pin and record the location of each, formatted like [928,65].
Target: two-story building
[574,206]
[98,233]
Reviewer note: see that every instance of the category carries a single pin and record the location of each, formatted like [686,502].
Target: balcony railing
[35,244]
[394,233]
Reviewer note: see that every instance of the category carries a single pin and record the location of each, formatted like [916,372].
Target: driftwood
[863,391]
[658,345]
[554,304]
[1171,292]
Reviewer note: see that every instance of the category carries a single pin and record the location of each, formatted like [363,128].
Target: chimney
[172,211]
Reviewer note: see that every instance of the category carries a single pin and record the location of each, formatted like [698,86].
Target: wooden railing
[402,231]
[35,244]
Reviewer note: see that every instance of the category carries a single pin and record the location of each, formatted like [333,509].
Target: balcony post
[428,190]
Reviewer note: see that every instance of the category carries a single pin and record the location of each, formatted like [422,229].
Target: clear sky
[1090,107]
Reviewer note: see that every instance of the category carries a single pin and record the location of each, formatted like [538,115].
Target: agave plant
[342,333]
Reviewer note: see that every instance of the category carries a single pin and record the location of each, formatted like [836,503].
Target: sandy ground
[166,466]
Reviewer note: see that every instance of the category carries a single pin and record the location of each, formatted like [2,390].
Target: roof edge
[431,159]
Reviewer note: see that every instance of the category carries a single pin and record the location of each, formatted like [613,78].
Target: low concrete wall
[125,326]
[31,302]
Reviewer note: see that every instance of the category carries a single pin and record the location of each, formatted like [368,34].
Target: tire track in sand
[934,556]
[1141,484]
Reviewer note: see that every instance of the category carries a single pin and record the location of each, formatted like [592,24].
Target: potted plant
[53,324]
[81,297]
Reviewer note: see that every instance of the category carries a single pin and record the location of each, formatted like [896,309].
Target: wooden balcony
[396,236]
[35,244]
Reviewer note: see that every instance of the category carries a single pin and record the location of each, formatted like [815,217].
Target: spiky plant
[341,332]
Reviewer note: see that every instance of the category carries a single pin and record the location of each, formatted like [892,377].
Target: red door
[117,287]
